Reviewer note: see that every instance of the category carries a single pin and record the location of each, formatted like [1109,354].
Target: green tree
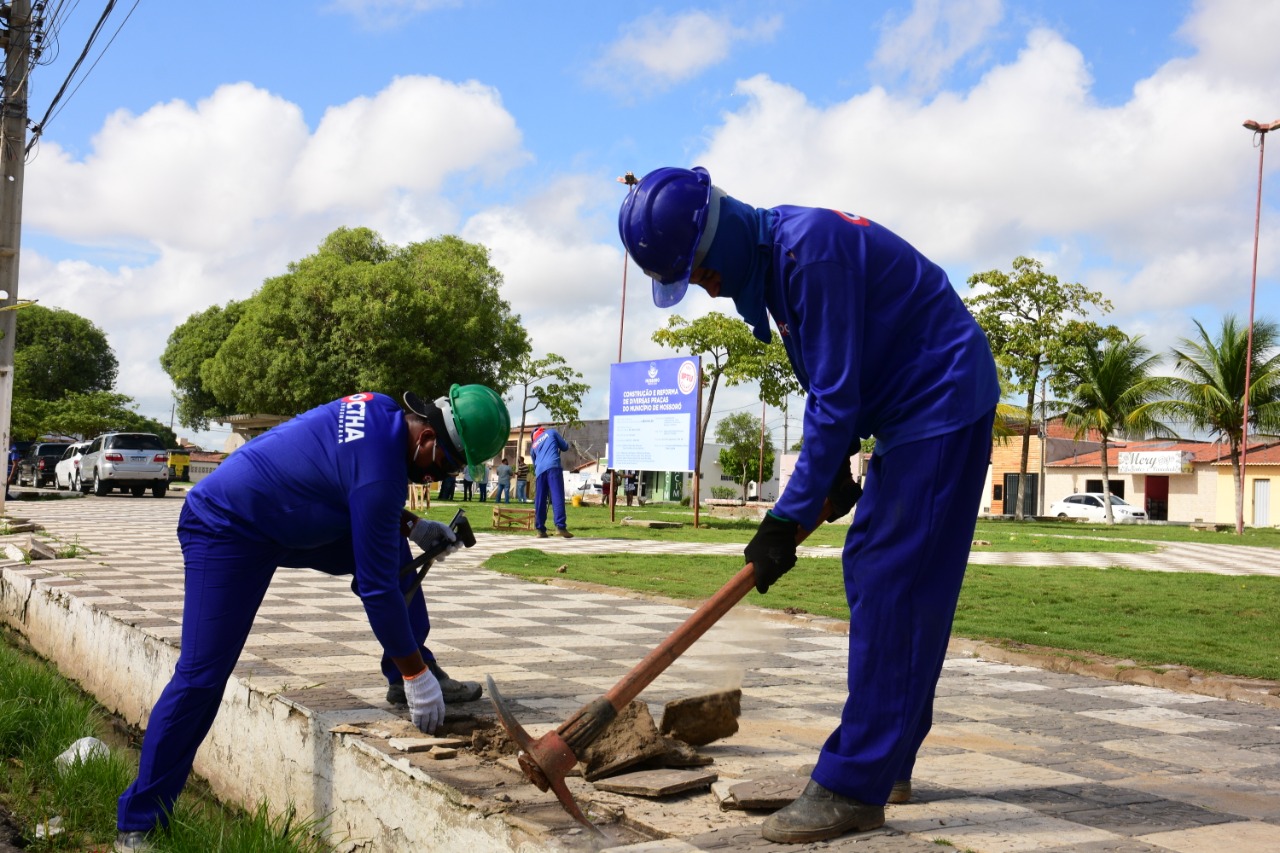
[1209,391]
[86,415]
[1114,393]
[740,433]
[362,315]
[723,343]
[191,346]
[1030,319]
[57,352]
[549,383]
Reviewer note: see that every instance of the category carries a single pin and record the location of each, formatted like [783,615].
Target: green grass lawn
[1210,622]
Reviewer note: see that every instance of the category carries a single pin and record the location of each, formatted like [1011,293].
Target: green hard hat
[482,421]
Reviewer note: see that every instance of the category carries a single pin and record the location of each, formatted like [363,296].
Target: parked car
[66,473]
[36,466]
[1089,505]
[128,461]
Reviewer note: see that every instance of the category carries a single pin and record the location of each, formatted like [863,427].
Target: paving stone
[656,783]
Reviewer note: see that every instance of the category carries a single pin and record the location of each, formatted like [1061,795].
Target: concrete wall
[262,746]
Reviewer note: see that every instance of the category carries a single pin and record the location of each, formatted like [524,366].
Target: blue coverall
[884,347]
[322,491]
[548,483]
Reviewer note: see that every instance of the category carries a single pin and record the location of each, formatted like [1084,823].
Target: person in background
[467,483]
[883,346]
[448,485]
[502,473]
[522,479]
[14,458]
[480,475]
[348,464]
[547,446]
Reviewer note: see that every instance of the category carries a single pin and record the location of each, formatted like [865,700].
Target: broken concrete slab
[766,793]
[699,720]
[652,525]
[631,738]
[657,783]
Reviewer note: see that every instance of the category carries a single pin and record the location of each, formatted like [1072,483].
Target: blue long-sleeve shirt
[878,338]
[338,470]
[547,447]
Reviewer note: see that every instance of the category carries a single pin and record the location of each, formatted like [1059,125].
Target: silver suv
[128,461]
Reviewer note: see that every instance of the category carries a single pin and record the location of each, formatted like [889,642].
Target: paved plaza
[1020,758]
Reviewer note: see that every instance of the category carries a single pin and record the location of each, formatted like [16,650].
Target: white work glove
[428,534]
[426,701]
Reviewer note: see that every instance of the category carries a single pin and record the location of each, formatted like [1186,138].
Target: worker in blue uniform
[883,346]
[325,491]
[548,484]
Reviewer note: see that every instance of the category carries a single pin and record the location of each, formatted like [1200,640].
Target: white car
[1089,505]
[66,474]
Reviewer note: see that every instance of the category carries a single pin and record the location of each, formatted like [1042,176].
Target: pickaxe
[548,759]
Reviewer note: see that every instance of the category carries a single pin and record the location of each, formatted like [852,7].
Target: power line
[39,128]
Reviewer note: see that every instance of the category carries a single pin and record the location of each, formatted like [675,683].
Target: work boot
[542,534]
[564,531]
[132,842]
[819,814]
[901,792]
[454,691]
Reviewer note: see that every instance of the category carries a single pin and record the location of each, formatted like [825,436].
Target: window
[997,492]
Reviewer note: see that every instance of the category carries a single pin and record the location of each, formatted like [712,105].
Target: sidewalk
[1020,758]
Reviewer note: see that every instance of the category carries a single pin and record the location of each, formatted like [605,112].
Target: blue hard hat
[663,224]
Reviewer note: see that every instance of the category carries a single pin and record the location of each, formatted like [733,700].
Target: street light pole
[1260,132]
[630,180]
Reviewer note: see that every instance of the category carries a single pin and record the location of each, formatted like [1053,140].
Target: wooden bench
[419,497]
[512,518]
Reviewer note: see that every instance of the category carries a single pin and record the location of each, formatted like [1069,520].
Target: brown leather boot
[901,792]
[819,814]
[564,531]
[542,534]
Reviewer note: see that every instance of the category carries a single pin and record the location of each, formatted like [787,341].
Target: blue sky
[212,144]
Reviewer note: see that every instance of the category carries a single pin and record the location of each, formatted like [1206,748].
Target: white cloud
[927,43]
[212,198]
[659,50]
[385,14]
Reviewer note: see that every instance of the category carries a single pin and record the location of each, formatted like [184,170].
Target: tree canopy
[740,433]
[548,383]
[728,349]
[358,315]
[1115,393]
[1033,323]
[57,352]
[1209,390]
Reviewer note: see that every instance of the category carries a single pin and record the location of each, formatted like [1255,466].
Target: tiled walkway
[1019,758]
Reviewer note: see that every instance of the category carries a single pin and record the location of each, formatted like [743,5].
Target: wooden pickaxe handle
[590,721]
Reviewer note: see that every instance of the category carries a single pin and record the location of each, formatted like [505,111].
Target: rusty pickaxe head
[547,760]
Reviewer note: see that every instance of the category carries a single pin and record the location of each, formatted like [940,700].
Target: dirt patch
[10,835]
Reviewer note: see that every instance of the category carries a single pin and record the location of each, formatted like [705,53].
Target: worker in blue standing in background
[548,484]
[348,465]
[884,347]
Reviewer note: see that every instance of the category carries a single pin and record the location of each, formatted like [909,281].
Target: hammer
[461,528]
[547,760]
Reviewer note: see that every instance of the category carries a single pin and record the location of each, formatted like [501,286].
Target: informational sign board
[1157,462]
[653,414]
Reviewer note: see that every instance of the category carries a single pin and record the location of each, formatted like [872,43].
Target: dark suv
[36,466]
[128,461]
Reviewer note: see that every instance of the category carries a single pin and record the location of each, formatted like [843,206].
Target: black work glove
[772,551]
[843,495]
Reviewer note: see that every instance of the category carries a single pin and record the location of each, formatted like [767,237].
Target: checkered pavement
[1019,758]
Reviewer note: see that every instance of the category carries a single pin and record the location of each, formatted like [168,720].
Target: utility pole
[13,145]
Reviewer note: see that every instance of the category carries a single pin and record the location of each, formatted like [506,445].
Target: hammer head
[462,529]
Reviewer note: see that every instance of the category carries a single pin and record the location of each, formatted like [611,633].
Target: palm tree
[1113,392]
[1210,391]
